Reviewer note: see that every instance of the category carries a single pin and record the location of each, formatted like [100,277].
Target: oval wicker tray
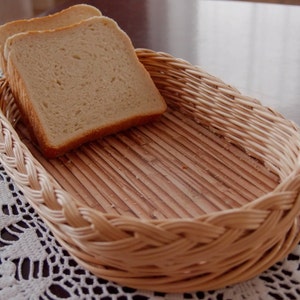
[205,197]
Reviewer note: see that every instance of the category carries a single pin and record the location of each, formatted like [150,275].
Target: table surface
[254,47]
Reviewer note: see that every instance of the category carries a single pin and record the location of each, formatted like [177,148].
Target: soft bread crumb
[79,83]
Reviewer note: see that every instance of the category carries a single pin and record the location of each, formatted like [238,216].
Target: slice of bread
[79,83]
[66,17]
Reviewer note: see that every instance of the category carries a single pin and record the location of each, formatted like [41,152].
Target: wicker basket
[205,197]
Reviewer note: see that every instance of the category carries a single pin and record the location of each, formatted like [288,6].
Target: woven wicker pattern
[200,248]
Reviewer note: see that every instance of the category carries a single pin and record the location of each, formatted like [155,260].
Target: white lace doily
[34,266]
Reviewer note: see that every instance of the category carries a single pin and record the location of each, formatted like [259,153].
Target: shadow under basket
[205,197]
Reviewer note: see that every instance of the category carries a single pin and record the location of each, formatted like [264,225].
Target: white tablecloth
[34,266]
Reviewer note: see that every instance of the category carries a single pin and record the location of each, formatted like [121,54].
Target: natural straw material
[205,197]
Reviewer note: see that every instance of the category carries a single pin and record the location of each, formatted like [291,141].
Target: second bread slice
[79,83]
[71,15]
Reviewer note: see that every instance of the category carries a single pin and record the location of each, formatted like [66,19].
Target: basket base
[172,168]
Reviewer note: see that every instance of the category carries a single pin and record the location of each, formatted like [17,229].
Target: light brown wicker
[205,197]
